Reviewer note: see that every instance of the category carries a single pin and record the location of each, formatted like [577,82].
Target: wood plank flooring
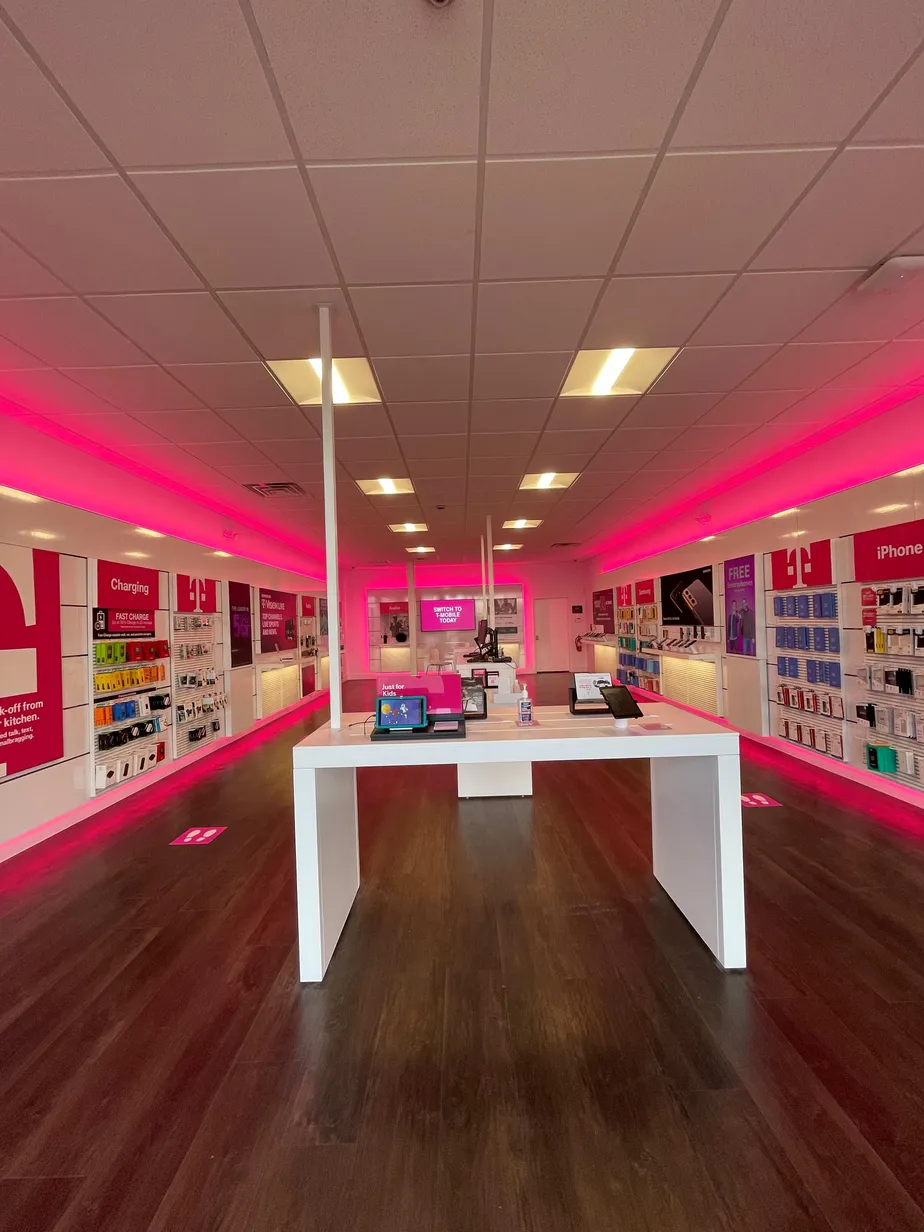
[518,1030]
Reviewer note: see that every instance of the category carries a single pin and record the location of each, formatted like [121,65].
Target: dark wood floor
[518,1031]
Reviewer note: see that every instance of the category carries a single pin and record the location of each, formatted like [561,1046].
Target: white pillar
[490,574]
[330,517]
[484,584]
[412,613]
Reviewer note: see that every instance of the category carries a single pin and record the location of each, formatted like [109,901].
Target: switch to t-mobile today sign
[889,552]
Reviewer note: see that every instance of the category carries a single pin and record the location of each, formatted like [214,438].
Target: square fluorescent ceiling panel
[385,487]
[608,374]
[301,379]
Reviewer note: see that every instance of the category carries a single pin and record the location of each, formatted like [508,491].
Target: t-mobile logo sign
[802,566]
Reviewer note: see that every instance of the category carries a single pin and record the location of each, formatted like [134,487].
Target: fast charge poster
[278,621]
[686,598]
[740,607]
[31,692]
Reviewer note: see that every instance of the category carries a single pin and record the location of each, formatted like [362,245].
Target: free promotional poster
[686,598]
[740,607]
[31,689]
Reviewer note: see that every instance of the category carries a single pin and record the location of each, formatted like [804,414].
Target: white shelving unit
[823,730]
[199,688]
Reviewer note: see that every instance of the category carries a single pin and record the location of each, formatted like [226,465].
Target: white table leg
[697,847]
[495,779]
[326,863]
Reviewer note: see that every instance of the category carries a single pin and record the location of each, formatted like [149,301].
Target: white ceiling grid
[478,192]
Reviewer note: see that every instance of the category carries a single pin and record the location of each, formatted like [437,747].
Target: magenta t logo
[198,837]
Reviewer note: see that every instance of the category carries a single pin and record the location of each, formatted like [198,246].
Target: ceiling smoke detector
[892,275]
[439,4]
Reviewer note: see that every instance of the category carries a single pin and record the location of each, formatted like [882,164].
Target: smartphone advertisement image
[686,598]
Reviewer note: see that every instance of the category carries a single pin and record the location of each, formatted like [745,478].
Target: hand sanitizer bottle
[524,709]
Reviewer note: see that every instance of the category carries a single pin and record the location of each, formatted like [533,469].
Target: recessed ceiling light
[707,538]
[15,494]
[39,534]
[523,524]
[420,550]
[912,470]
[408,528]
[221,553]
[301,379]
[152,534]
[385,487]
[137,555]
[890,508]
[507,547]
[620,372]
[795,534]
[549,479]
[784,513]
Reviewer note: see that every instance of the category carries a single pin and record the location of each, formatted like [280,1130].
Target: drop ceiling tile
[182,426]
[427,468]
[533,316]
[807,365]
[431,320]
[284,323]
[769,307]
[499,464]
[142,388]
[168,85]
[21,274]
[894,365]
[685,459]
[621,459]
[590,413]
[39,132]
[575,440]
[635,440]
[371,449]
[865,204]
[711,211]
[653,312]
[520,376]
[492,488]
[188,327]
[702,437]
[434,488]
[866,317]
[510,415]
[93,233]
[593,485]
[64,331]
[114,431]
[267,423]
[43,389]
[434,417]
[227,385]
[794,74]
[428,378]
[584,203]
[247,227]
[354,421]
[287,453]
[546,74]
[14,358]
[711,369]
[254,472]
[502,444]
[551,457]
[827,406]
[900,116]
[225,453]
[424,220]
[669,410]
[743,407]
[441,446]
[417,71]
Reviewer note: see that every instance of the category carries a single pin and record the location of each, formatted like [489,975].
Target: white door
[552,628]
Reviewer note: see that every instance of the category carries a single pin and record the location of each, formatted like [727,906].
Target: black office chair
[488,650]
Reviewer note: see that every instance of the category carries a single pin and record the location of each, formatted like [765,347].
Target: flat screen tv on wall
[447,615]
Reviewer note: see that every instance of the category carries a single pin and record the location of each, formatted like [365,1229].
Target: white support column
[330,517]
[412,613]
[490,539]
[484,583]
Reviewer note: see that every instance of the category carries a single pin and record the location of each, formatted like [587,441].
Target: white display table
[695,810]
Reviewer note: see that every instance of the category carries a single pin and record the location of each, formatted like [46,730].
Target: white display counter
[695,807]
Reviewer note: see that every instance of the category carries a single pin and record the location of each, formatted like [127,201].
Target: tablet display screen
[401,712]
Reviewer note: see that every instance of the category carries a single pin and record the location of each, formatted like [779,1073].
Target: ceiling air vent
[275,489]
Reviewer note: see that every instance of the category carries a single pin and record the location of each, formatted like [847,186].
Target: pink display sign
[307,606]
[889,552]
[196,594]
[624,595]
[439,615]
[803,566]
[645,591]
[31,691]
[198,837]
[126,586]
[443,692]
[277,621]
